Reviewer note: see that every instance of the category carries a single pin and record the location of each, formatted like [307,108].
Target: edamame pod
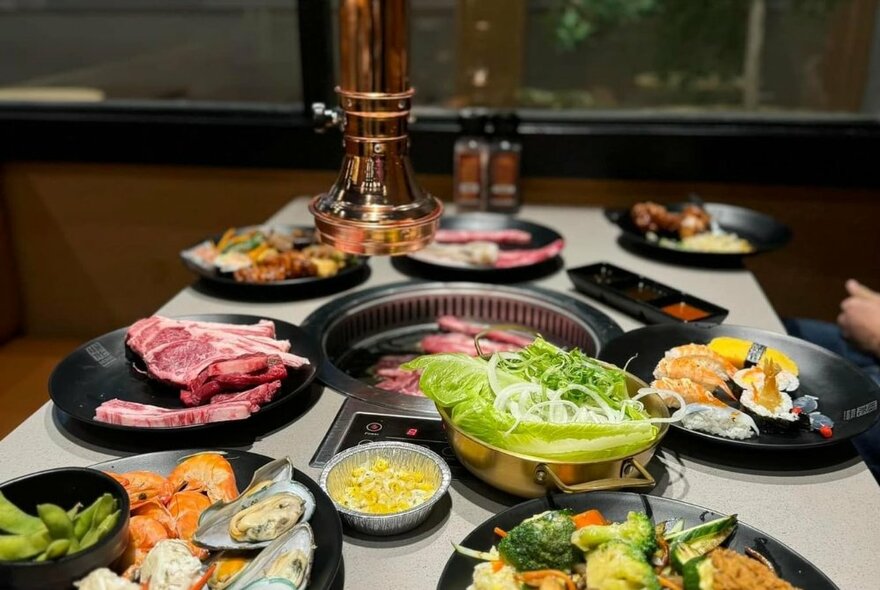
[57,548]
[56,520]
[15,521]
[106,505]
[99,531]
[18,547]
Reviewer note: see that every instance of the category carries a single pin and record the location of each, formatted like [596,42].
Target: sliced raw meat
[392,361]
[233,375]
[498,236]
[450,323]
[457,342]
[400,381]
[257,396]
[141,334]
[142,415]
[180,362]
[512,258]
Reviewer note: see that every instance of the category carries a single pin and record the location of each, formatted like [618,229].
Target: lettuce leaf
[460,384]
[451,378]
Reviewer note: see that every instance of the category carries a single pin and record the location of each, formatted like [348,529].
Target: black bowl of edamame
[56,526]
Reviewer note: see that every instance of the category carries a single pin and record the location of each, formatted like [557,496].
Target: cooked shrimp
[702,350]
[143,487]
[687,368]
[206,472]
[692,393]
[186,508]
[143,534]
[158,512]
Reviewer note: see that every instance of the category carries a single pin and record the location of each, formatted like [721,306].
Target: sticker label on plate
[100,354]
[860,411]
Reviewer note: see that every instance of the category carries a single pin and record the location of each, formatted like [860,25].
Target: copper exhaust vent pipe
[375,207]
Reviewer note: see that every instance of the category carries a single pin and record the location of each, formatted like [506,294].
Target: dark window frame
[825,150]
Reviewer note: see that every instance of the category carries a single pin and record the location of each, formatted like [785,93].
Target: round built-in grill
[355,331]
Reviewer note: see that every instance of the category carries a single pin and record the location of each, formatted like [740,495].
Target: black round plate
[301,288]
[458,573]
[325,521]
[763,231]
[841,387]
[106,368]
[541,236]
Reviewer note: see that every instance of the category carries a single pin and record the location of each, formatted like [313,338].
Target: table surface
[825,505]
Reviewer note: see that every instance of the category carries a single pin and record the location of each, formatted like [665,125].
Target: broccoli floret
[541,542]
[617,565]
[637,530]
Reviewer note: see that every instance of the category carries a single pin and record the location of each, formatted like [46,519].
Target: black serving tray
[638,296]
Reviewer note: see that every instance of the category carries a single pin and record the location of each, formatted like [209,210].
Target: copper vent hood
[375,207]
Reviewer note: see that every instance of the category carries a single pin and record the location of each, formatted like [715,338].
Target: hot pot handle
[543,472]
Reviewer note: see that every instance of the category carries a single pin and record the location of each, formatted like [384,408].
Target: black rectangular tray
[638,296]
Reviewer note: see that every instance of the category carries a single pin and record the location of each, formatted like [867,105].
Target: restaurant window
[194,50]
[773,57]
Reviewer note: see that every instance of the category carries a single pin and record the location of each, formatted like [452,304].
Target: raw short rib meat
[176,352]
[498,236]
[458,342]
[512,258]
[450,323]
[142,415]
[258,396]
[155,330]
[233,375]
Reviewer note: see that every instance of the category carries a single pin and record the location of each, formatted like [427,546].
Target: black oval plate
[325,521]
[541,236]
[840,386]
[104,368]
[763,231]
[301,288]
[458,573]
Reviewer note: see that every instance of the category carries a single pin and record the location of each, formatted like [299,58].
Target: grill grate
[554,323]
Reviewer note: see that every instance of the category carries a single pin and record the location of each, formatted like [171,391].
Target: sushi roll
[720,421]
[771,408]
[753,377]
[743,353]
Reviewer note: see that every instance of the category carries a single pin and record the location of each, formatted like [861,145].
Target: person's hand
[859,318]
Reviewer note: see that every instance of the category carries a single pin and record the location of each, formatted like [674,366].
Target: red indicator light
[412,432]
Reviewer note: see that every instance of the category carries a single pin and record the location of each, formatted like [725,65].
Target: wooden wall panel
[10,311]
[96,245]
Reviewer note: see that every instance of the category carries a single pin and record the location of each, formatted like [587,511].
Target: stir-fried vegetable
[541,542]
[637,530]
[541,401]
[620,566]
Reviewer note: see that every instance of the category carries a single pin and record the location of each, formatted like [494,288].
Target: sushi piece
[691,392]
[743,353]
[771,407]
[720,421]
[753,377]
[726,369]
[695,369]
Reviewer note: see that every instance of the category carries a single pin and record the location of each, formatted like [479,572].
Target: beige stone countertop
[824,505]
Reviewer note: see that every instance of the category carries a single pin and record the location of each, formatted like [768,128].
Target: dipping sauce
[382,488]
[684,311]
[642,292]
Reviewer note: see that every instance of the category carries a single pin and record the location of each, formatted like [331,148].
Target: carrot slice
[587,518]
[200,583]
[497,565]
[667,583]
[500,532]
[538,575]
